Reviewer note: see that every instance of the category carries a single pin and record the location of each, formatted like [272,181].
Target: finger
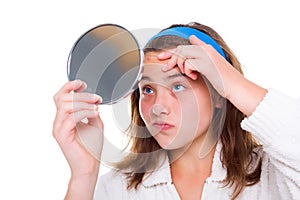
[67,88]
[193,75]
[65,122]
[81,97]
[70,107]
[181,62]
[190,69]
[70,86]
[82,87]
[84,114]
[181,57]
[172,62]
[65,101]
[164,55]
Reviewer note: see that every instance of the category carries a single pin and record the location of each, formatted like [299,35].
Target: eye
[147,90]
[178,87]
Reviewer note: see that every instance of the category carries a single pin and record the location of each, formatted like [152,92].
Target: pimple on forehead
[149,59]
[152,68]
[152,57]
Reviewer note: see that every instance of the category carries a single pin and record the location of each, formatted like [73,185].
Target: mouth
[162,126]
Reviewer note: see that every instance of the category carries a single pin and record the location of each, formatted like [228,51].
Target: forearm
[81,188]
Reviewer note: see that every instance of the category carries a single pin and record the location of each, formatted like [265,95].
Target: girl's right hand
[73,107]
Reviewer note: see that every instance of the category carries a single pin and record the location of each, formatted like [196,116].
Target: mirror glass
[108,59]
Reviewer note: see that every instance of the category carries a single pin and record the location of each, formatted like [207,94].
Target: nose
[158,109]
[162,104]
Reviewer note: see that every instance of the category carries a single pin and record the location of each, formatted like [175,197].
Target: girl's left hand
[227,81]
[200,58]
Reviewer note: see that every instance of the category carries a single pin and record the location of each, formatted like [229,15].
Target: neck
[194,158]
[192,167]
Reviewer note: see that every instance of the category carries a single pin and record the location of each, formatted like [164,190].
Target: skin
[71,109]
[177,111]
[228,82]
[189,60]
[172,104]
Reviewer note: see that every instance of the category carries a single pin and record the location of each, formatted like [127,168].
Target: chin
[174,146]
[172,141]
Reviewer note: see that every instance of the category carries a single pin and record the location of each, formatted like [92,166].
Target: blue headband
[186,32]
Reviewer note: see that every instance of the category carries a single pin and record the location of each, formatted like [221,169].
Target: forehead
[152,67]
[152,58]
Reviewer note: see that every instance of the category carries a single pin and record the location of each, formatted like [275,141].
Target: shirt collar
[162,175]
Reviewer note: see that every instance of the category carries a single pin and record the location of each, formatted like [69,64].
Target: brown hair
[238,146]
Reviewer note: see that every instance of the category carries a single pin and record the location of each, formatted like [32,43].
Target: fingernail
[78,83]
[162,54]
[98,99]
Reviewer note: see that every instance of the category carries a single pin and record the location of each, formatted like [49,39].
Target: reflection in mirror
[108,59]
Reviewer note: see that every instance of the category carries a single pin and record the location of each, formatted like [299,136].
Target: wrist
[87,176]
[242,93]
[81,187]
[246,96]
[85,170]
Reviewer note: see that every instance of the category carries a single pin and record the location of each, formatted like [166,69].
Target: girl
[199,128]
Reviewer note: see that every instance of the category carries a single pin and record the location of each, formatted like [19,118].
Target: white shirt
[275,123]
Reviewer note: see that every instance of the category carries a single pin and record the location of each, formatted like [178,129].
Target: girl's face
[175,109]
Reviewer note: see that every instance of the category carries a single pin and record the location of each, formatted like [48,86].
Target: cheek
[144,107]
[196,111]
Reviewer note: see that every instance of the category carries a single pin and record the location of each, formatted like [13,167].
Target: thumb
[81,87]
[196,41]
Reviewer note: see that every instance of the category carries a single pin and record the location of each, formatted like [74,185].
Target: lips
[163,126]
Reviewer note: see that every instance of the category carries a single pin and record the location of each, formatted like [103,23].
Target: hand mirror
[108,59]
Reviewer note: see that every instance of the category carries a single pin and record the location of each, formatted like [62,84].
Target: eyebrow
[168,77]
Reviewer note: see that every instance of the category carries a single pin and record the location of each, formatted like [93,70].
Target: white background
[36,37]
